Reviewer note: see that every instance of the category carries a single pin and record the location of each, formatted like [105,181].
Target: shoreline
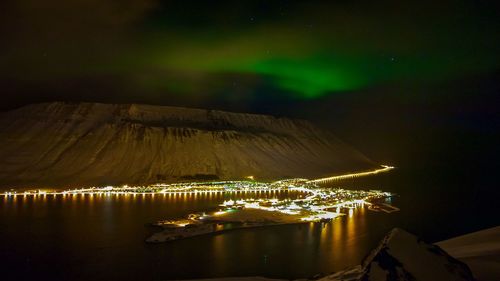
[216,232]
[180,187]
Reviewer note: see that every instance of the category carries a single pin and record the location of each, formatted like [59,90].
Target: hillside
[402,256]
[479,250]
[75,144]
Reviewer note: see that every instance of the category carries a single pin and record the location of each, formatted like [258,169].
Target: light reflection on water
[101,236]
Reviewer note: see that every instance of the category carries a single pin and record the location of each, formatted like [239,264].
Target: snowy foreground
[403,256]
[479,250]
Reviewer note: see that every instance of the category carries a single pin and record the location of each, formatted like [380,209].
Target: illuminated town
[249,185]
[316,205]
[313,203]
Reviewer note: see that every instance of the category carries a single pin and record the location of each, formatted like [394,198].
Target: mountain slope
[479,250]
[61,144]
[402,256]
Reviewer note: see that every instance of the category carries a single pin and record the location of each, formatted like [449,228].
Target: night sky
[384,75]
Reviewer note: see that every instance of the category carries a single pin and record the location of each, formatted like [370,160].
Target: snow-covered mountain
[402,256]
[77,144]
[479,250]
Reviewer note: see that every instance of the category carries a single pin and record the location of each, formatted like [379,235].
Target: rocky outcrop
[79,144]
[402,256]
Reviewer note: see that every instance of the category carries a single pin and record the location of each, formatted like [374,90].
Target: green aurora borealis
[300,49]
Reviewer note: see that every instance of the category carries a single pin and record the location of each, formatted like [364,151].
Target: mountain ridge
[61,144]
